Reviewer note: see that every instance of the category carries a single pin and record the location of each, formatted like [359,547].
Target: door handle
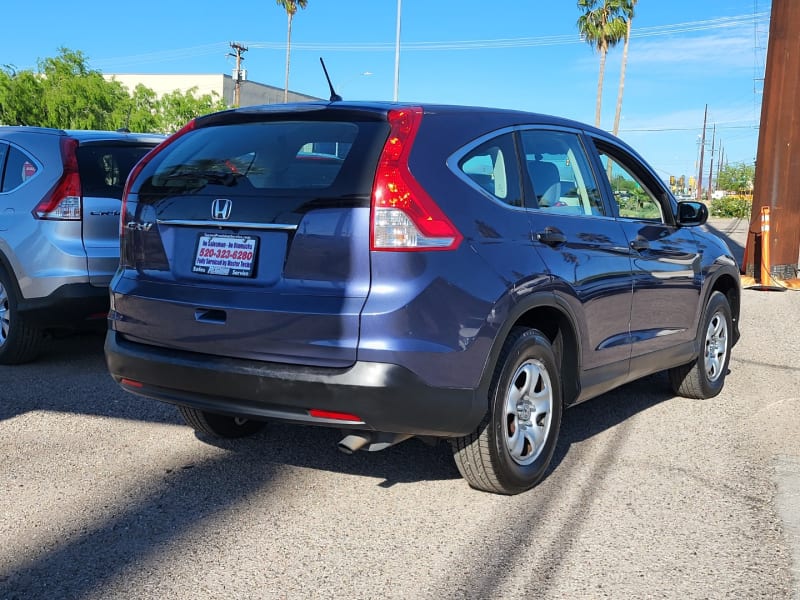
[551,236]
[640,244]
[210,315]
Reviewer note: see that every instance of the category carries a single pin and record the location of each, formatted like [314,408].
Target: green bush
[732,206]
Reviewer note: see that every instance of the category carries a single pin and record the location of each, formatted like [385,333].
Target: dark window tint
[493,167]
[19,168]
[104,168]
[280,156]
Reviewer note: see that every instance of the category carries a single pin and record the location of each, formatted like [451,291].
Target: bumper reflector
[329,414]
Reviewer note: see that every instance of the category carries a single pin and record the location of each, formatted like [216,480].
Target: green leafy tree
[74,96]
[63,93]
[290,6]
[140,112]
[627,8]
[736,177]
[602,26]
[20,98]
[178,108]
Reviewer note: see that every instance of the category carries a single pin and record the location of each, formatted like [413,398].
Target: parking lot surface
[106,495]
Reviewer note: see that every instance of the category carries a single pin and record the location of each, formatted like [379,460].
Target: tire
[19,342]
[705,376]
[510,451]
[220,426]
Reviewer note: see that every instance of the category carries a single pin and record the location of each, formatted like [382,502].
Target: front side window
[493,167]
[634,198]
[560,174]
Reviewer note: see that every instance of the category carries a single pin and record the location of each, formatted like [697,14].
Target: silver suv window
[19,168]
[104,168]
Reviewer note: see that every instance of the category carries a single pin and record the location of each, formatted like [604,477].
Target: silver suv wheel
[19,342]
[5,315]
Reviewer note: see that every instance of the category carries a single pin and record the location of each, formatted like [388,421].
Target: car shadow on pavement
[71,377]
[415,461]
[102,552]
[588,419]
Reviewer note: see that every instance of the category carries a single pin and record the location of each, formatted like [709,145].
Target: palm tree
[290,6]
[602,26]
[628,7]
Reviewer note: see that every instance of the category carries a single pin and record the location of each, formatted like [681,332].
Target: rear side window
[275,155]
[493,167]
[19,167]
[104,168]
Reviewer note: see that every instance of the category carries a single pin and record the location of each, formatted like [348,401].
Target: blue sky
[522,54]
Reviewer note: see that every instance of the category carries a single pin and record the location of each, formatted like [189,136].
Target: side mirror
[691,214]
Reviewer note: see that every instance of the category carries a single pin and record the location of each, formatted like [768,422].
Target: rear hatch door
[251,239]
[103,167]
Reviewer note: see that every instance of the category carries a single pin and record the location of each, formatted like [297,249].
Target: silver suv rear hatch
[103,167]
[248,236]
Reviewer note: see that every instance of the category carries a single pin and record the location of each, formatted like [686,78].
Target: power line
[663,129]
[737,21]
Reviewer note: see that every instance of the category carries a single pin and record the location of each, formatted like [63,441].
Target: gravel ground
[106,495]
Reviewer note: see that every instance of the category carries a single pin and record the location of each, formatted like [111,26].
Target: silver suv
[60,195]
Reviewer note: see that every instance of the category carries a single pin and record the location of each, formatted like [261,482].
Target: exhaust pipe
[354,442]
[373,441]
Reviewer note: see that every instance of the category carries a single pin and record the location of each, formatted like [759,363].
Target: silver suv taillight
[63,202]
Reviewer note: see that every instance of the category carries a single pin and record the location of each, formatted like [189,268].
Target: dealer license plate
[228,255]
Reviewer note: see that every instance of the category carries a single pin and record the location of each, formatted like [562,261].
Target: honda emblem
[221,209]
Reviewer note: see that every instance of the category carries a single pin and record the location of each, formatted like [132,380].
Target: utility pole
[397,54]
[777,176]
[702,151]
[711,165]
[237,82]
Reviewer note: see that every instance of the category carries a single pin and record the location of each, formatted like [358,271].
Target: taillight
[404,216]
[63,201]
[137,168]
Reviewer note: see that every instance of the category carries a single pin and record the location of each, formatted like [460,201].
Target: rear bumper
[384,397]
[71,306]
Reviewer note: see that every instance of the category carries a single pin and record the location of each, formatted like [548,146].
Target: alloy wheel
[716,346]
[528,411]
[5,315]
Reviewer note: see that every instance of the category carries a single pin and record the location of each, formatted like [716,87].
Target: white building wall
[251,92]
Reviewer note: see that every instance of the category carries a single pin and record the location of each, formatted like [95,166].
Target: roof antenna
[334,96]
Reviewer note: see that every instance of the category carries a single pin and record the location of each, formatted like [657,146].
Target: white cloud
[719,51]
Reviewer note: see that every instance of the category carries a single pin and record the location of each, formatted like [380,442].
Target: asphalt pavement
[107,495]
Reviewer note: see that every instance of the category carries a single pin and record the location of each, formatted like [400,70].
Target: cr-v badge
[221,209]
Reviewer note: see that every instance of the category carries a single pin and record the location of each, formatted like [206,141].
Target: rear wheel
[19,342]
[512,448]
[220,426]
[704,377]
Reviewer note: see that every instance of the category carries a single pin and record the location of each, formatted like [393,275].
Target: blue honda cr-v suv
[401,270]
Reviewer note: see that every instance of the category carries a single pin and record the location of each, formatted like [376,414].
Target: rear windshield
[324,158]
[104,168]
